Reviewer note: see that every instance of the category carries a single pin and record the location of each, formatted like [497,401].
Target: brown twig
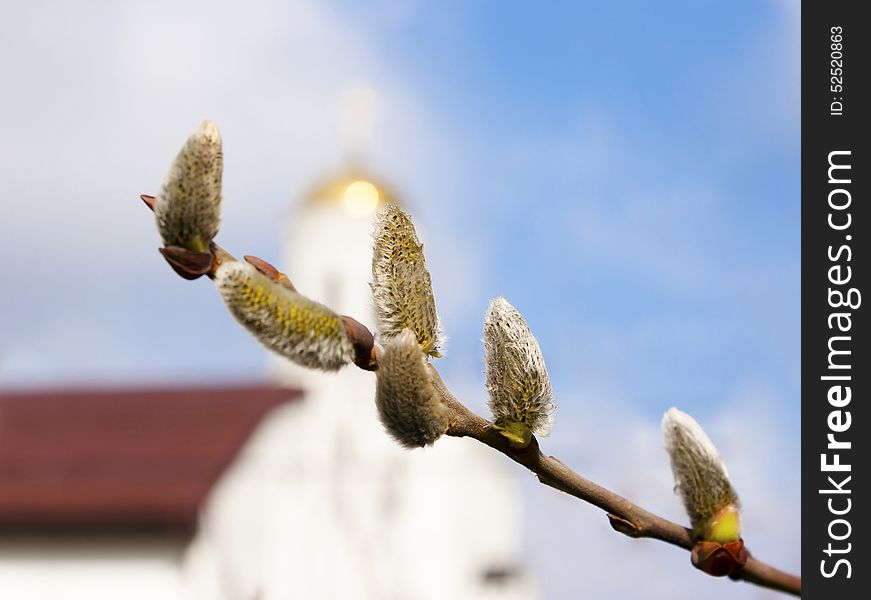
[624,516]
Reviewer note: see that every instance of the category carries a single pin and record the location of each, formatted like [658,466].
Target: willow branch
[624,516]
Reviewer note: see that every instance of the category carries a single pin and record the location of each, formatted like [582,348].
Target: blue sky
[639,172]
[626,173]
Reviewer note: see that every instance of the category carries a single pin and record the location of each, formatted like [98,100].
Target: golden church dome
[358,192]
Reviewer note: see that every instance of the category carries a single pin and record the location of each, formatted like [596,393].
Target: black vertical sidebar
[836,226]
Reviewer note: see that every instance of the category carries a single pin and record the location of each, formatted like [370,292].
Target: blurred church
[284,489]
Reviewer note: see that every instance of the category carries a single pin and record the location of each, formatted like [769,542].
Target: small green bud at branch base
[701,477]
[708,496]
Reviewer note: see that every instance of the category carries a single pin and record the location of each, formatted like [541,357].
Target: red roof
[141,458]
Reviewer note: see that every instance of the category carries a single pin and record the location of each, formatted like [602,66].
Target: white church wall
[74,567]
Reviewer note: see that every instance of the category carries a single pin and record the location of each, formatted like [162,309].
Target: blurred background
[626,174]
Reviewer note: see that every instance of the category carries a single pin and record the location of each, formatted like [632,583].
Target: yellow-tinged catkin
[401,284]
[701,479]
[410,409]
[188,208]
[521,397]
[286,322]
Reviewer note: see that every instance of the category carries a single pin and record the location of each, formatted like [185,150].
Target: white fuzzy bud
[521,397]
[286,322]
[401,285]
[701,478]
[409,407]
[188,208]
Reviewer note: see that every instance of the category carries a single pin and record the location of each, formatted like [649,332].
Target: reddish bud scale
[188,264]
[718,559]
[270,271]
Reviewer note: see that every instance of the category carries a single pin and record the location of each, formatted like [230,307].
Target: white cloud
[97,102]
[123,87]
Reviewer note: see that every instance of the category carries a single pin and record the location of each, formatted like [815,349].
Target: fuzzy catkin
[286,322]
[410,409]
[401,284]
[699,472]
[521,397]
[188,208]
